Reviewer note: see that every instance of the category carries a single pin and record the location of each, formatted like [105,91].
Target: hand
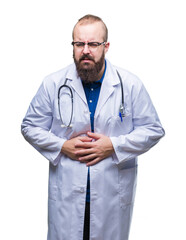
[69,147]
[94,151]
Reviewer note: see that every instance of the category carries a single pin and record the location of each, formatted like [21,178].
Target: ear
[107,45]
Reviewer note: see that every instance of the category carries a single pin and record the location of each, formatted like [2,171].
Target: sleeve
[37,124]
[147,129]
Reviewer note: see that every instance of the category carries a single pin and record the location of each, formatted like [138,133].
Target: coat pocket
[117,126]
[127,186]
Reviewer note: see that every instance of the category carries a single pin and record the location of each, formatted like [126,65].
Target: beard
[87,72]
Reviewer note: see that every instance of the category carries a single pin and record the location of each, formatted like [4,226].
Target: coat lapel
[76,83]
[108,86]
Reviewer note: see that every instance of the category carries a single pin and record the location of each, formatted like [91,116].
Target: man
[92,138]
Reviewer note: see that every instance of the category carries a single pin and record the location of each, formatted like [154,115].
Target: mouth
[86,59]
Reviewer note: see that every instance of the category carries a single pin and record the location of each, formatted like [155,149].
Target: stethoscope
[69,125]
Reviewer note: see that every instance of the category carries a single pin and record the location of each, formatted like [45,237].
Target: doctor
[92,148]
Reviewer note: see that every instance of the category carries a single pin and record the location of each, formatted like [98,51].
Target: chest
[105,113]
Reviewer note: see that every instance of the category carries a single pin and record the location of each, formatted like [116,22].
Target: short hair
[88,19]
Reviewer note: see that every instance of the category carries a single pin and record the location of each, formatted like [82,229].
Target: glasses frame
[88,44]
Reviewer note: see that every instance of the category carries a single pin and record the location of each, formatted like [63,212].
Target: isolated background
[147,38]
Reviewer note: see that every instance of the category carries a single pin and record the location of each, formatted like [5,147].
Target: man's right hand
[69,148]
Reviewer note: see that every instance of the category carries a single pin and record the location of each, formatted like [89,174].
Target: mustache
[86,57]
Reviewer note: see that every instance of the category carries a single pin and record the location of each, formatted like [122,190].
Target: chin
[87,65]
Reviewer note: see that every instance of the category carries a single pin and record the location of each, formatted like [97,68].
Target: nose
[86,49]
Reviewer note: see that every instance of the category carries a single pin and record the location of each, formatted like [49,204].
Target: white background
[147,38]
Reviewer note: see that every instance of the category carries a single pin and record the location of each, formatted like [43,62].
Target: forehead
[89,32]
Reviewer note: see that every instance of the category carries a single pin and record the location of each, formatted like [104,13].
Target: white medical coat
[113,180]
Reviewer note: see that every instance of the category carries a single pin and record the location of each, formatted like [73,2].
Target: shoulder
[57,76]
[55,79]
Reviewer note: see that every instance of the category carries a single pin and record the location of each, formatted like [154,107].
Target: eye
[93,44]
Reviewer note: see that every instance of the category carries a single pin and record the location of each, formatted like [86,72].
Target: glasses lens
[79,44]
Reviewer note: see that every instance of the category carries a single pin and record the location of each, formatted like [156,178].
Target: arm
[37,124]
[147,131]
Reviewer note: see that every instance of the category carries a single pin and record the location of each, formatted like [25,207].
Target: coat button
[81,190]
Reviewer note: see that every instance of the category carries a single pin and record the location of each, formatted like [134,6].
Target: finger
[83,145]
[84,152]
[94,135]
[93,162]
[87,158]
[85,139]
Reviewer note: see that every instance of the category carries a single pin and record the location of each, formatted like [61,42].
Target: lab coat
[113,180]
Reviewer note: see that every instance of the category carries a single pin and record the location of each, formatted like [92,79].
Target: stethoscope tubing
[122,92]
[72,101]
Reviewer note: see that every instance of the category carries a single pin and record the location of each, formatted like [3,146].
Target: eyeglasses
[91,45]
